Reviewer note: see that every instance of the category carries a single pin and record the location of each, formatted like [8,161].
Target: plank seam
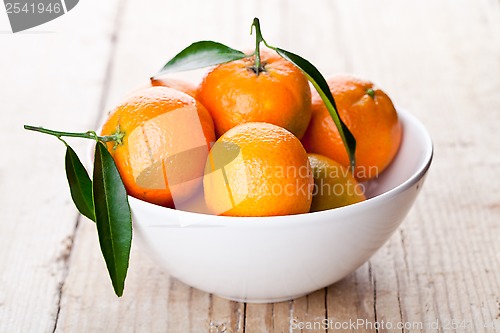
[405,259]
[326,308]
[244,317]
[66,257]
[372,277]
[109,66]
[399,300]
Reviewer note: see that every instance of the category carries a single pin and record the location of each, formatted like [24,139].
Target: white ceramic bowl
[269,259]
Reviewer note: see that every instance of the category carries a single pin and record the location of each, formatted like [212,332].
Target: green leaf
[319,82]
[113,217]
[199,55]
[80,184]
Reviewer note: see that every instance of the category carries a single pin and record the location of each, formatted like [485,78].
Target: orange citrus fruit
[334,184]
[235,94]
[166,139]
[258,169]
[177,84]
[371,117]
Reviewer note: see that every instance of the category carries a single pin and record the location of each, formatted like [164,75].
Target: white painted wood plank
[444,262]
[52,76]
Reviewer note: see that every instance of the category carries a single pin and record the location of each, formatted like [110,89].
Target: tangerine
[334,184]
[177,84]
[166,136]
[278,93]
[258,169]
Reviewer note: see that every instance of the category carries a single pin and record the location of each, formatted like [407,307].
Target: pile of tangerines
[263,134]
[251,141]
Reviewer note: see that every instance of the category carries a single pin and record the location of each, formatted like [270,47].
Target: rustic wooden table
[438,59]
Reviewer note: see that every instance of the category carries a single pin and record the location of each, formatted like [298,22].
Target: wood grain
[42,83]
[440,272]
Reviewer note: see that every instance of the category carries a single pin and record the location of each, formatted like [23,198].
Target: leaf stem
[258,39]
[117,137]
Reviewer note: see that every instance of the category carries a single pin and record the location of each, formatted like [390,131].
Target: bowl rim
[207,219]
